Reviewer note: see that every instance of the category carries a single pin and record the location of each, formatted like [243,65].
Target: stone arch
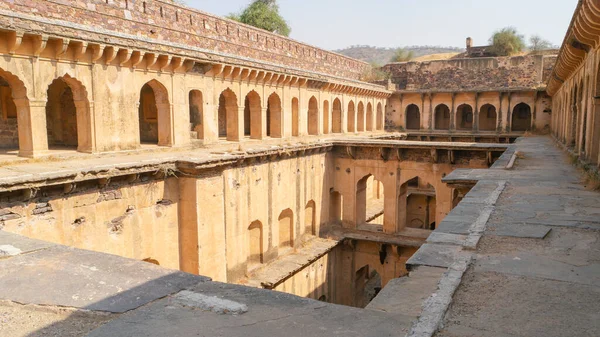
[325,117]
[417,200]
[442,117]
[464,117]
[488,118]
[336,207]
[310,221]
[68,121]
[367,207]
[154,114]
[255,244]
[286,229]
[351,117]
[196,105]
[336,116]
[274,116]
[521,117]
[228,123]
[252,116]
[361,117]
[380,119]
[369,117]
[295,117]
[19,97]
[366,279]
[9,133]
[413,117]
[313,116]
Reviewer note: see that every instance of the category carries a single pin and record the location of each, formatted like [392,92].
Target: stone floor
[536,268]
[519,256]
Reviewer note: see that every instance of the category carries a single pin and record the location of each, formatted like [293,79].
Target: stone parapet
[163,24]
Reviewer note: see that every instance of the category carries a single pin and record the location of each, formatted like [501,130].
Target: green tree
[263,14]
[402,55]
[537,43]
[507,41]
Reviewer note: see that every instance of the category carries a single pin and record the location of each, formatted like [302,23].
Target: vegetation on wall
[263,14]
[507,41]
[374,73]
[402,55]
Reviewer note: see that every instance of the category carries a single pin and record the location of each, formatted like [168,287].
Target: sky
[336,24]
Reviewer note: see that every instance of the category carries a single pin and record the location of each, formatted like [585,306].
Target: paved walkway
[536,268]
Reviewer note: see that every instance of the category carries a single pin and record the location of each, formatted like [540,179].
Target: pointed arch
[351,117]
[154,114]
[228,121]
[253,116]
[442,117]
[417,200]
[274,120]
[310,225]
[196,105]
[521,117]
[25,137]
[369,116]
[464,117]
[413,117]
[255,244]
[380,117]
[286,229]
[336,116]
[488,118]
[313,116]
[68,121]
[360,117]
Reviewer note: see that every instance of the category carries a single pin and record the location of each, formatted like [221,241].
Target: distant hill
[383,56]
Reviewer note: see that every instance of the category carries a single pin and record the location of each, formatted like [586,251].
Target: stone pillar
[595,133]
[210,123]
[33,136]
[237,128]
[508,114]
[263,122]
[431,112]
[165,111]
[391,206]
[401,204]
[85,131]
[453,114]
[476,114]
[500,114]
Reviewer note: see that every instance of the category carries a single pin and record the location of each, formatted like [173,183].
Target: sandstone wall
[165,25]
[107,99]
[135,220]
[504,103]
[473,74]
